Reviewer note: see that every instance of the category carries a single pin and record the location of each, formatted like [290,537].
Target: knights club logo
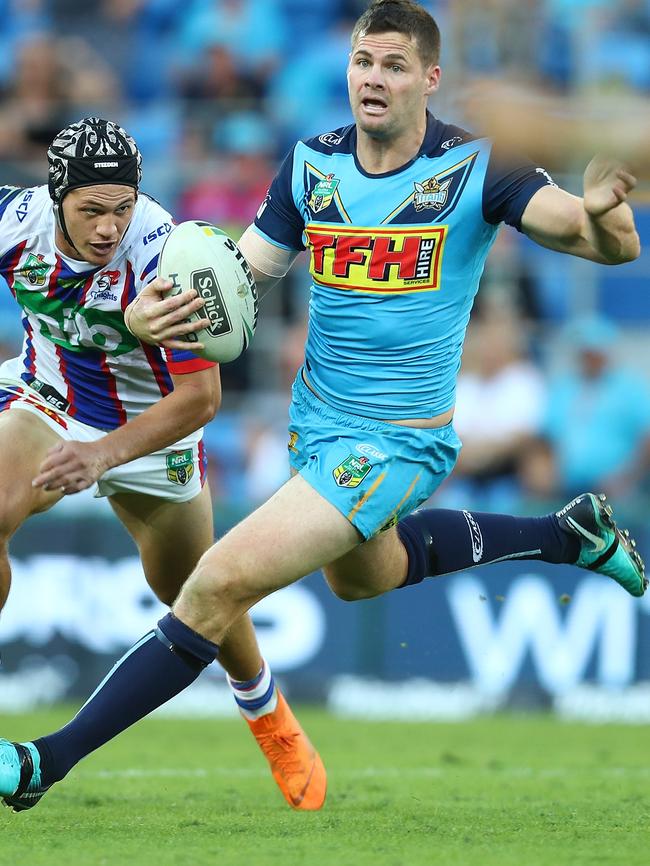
[323,193]
[431,194]
[107,279]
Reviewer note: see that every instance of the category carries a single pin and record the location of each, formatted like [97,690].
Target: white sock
[256,697]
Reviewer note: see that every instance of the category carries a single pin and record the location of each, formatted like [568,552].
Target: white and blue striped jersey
[75,339]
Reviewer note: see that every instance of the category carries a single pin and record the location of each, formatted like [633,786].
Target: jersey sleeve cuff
[189,365]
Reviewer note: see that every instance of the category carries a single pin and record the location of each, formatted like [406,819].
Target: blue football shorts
[373,472]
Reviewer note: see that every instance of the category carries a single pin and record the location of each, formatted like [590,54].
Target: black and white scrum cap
[89,152]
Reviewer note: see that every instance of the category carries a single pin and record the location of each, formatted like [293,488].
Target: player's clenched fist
[156,317]
[607,183]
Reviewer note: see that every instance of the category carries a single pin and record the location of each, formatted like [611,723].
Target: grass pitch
[502,791]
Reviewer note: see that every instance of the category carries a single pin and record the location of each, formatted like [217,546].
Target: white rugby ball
[197,255]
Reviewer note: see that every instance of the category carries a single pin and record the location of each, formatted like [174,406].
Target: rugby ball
[197,255]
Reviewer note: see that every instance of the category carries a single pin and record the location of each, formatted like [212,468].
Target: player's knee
[415,535]
[5,532]
[165,583]
[165,595]
[9,520]
[18,501]
[212,583]
[349,591]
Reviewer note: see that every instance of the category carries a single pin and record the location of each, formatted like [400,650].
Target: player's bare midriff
[423,423]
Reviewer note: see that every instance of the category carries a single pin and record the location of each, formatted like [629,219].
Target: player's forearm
[608,239]
[171,419]
[269,263]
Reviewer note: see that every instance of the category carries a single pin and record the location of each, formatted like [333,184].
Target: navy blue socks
[157,667]
[168,659]
[439,541]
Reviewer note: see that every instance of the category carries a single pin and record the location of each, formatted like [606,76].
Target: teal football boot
[20,775]
[603,546]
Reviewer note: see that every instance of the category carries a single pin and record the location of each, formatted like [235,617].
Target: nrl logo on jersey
[35,270]
[431,194]
[323,193]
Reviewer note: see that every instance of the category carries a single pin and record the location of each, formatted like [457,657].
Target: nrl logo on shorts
[323,193]
[180,466]
[431,194]
[35,270]
[352,471]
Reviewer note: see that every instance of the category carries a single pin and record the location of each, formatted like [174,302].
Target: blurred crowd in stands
[553,394]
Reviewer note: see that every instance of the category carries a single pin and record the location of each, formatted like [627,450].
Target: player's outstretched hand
[607,183]
[157,318]
[560,132]
[71,466]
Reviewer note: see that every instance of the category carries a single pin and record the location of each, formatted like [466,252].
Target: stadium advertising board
[526,634]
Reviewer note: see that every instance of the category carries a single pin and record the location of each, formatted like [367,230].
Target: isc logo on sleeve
[371,259]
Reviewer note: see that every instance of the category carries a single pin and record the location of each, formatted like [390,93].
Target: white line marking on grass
[375,772]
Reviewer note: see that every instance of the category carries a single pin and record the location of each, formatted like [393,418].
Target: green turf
[504,791]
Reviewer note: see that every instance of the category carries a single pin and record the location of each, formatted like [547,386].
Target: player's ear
[432,73]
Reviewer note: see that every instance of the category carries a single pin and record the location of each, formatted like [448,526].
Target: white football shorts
[176,473]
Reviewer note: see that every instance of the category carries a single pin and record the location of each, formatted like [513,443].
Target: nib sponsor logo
[476,537]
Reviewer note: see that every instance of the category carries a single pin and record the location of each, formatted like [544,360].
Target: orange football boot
[296,765]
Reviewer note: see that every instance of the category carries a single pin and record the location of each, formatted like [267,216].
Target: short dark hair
[402,16]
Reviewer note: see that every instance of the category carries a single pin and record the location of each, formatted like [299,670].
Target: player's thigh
[376,566]
[171,536]
[24,442]
[369,569]
[295,532]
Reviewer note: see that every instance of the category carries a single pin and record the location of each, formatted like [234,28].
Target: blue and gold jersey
[395,260]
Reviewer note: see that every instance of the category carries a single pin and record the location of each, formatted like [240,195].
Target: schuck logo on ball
[206,284]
